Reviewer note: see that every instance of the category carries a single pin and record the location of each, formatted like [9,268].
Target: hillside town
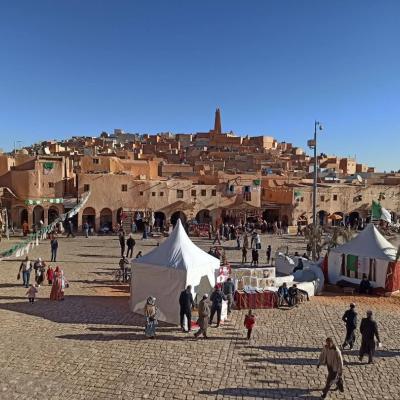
[205,178]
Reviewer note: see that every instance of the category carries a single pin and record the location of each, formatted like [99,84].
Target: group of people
[55,278]
[292,296]
[126,243]
[331,355]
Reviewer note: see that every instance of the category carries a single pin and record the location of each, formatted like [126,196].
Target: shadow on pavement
[287,393]
[286,349]
[284,361]
[97,337]
[105,310]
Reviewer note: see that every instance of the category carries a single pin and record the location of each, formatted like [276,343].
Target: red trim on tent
[393,277]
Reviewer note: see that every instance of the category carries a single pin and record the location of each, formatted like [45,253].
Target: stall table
[266,299]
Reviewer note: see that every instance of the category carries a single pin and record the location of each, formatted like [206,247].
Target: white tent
[167,270]
[374,254]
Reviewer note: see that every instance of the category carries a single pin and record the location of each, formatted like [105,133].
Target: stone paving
[92,347]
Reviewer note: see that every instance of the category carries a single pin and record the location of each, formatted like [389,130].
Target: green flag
[351,262]
[376,210]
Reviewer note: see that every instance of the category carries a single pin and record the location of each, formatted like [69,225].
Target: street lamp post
[315,183]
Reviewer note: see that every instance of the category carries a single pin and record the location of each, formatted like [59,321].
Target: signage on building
[30,202]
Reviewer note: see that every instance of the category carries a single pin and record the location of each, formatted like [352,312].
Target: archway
[321,217]
[106,219]
[38,215]
[176,215]
[19,216]
[119,215]
[52,214]
[89,216]
[203,217]
[337,218]
[159,220]
[354,218]
[270,215]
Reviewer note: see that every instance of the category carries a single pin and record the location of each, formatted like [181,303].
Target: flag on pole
[376,210]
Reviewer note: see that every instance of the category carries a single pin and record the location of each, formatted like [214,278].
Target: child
[50,274]
[249,322]
[31,293]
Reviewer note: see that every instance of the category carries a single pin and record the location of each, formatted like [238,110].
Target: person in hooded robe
[150,312]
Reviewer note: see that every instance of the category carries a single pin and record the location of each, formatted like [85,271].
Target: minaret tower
[217,123]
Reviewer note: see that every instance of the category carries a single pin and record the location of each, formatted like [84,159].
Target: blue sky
[81,67]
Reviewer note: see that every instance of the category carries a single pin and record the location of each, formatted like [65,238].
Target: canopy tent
[167,270]
[368,253]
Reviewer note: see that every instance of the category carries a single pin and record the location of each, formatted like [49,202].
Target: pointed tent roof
[369,243]
[178,252]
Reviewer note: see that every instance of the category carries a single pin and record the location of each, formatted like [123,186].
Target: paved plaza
[91,346]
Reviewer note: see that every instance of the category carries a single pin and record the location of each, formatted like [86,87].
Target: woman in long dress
[150,312]
[59,282]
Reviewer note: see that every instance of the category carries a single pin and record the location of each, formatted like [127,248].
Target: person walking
[228,289]
[204,315]
[246,240]
[217,237]
[186,304]
[25,268]
[40,269]
[31,293]
[332,358]
[217,296]
[269,251]
[58,286]
[244,255]
[350,319]
[254,257]
[49,275]
[150,312]
[369,331]
[130,243]
[249,323]
[54,249]
[121,238]
[70,229]
[86,229]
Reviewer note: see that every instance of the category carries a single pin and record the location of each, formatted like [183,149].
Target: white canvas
[166,270]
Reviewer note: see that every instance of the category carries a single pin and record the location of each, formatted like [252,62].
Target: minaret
[217,123]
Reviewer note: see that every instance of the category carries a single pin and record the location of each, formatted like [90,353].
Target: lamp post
[313,144]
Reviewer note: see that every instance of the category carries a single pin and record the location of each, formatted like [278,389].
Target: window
[140,193]
[124,188]
[193,193]
[161,194]
[86,187]
[153,194]
[179,194]
[203,192]
[95,160]
[213,192]
[322,198]
[335,197]
[51,184]
[247,193]
[301,199]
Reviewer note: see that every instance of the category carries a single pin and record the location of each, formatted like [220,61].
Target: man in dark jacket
[216,298]
[369,330]
[350,319]
[365,285]
[229,291]
[186,304]
[121,239]
[130,243]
